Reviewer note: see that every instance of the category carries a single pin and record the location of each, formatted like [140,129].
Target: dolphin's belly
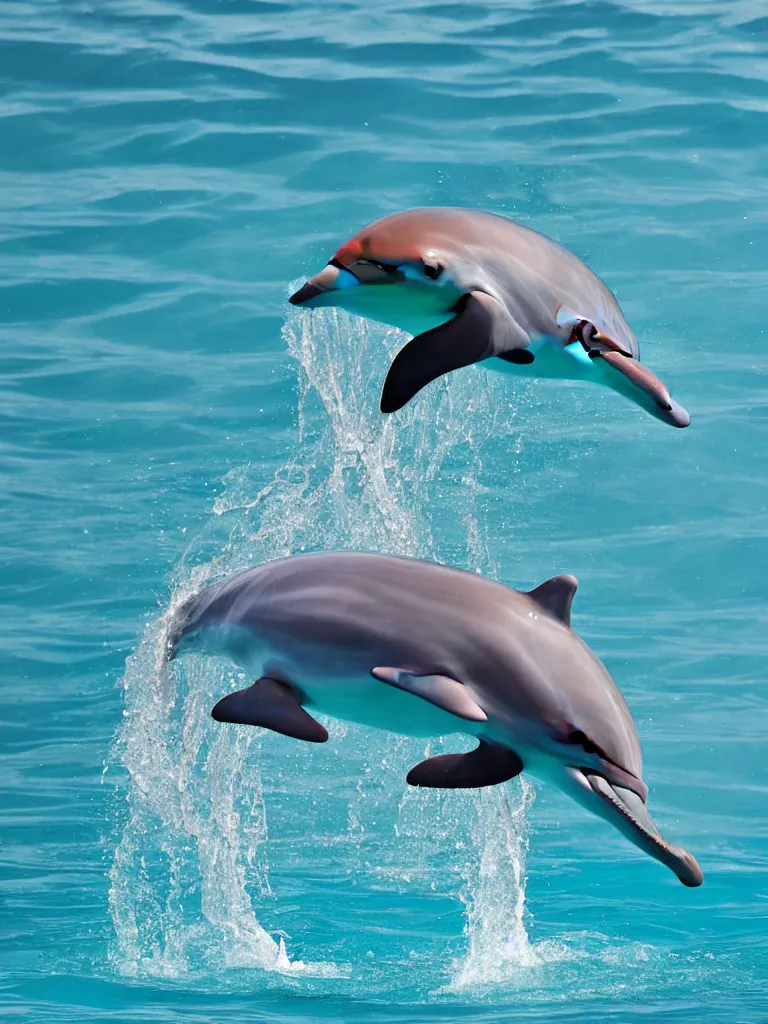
[409,307]
[350,695]
[551,361]
[366,701]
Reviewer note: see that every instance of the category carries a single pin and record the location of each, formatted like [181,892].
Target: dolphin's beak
[627,811]
[326,281]
[309,290]
[336,276]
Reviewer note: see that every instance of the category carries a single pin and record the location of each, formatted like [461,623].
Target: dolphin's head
[414,268]
[403,270]
[598,761]
[582,734]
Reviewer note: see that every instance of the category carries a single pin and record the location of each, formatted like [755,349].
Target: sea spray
[190,876]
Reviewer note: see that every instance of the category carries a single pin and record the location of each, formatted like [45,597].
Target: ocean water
[168,171]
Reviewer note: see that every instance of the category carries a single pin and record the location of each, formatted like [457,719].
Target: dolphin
[474,286]
[423,649]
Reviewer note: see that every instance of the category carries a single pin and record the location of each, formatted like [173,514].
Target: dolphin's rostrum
[473,286]
[425,650]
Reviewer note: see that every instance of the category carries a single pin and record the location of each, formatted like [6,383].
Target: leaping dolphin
[425,650]
[474,286]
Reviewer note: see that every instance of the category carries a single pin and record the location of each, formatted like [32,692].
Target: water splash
[196,821]
[495,897]
[190,868]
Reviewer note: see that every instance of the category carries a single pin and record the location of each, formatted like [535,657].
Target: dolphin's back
[380,606]
[537,275]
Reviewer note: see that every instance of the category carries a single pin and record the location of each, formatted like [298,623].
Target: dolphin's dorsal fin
[442,691]
[556,596]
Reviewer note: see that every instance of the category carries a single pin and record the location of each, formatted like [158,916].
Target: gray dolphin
[423,649]
[473,286]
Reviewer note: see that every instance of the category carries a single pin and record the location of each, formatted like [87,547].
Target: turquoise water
[167,174]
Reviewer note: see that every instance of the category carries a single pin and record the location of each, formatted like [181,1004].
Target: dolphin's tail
[629,377]
[180,624]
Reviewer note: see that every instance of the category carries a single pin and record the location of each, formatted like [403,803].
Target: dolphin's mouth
[640,827]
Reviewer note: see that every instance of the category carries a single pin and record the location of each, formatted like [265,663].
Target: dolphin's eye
[432,270]
[577,738]
[580,739]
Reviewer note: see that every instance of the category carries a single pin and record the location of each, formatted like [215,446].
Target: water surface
[167,172]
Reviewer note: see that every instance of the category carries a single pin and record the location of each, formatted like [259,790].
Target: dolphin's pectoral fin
[556,596]
[670,410]
[270,705]
[442,691]
[518,356]
[487,765]
[481,328]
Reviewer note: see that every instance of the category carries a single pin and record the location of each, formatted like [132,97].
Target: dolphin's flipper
[556,596]
[270,705]
[481,328]
[487,765]
[648,382]
[442,691]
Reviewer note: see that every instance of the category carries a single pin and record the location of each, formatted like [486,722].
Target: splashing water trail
[190,866]
[496,896]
